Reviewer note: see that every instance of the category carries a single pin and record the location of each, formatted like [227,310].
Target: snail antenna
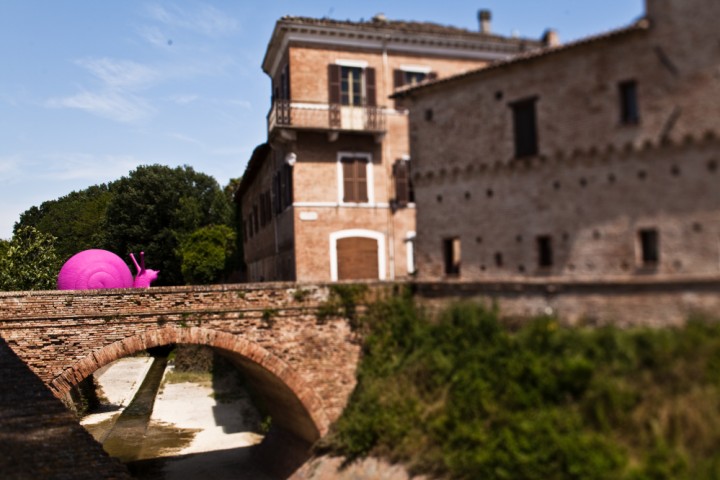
[142,261]
[137,267]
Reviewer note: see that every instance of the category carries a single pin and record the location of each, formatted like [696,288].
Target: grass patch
[464,396]
[174,376]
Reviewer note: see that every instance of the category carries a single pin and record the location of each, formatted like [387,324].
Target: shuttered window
[403,185]
[409,77]
[355,181]
[352,86]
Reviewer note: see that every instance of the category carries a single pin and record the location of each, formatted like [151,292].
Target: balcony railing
[324,116]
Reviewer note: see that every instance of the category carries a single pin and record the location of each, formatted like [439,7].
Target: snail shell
[94,269]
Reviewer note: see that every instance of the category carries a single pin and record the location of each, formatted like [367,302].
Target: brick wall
[305,366]
[596,182]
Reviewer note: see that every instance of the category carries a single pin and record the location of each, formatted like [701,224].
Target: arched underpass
[298,420]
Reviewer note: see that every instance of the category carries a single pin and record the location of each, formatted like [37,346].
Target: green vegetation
[28,261]
[180,218]
[464,396]
[155,208]
[176,376]
[75,220]
[342,302]
[207,254]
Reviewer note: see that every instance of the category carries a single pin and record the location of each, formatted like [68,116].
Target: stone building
[594,160]
[328,196]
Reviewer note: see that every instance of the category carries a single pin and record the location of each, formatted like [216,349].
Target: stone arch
[292,403]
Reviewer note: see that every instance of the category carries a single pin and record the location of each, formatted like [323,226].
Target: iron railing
[324,116]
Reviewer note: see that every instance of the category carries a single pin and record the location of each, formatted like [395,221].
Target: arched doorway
[357,254]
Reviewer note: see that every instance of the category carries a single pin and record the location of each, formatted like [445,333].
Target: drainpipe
[386,153]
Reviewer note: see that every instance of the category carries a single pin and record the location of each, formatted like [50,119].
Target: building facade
[329,195]
[594,160]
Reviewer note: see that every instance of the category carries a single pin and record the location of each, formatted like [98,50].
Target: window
[351,85]
[256,219]
[408,76]
[451,254]
[282,189]
[354,179]
[649,247]
[404,193]
[629,113]
[525,128]
[545,251]
[285,83]
[265,208]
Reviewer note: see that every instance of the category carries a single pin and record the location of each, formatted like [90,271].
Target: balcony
[286,114]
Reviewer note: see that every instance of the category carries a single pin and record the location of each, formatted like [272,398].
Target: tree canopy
[207,254]
[28,261]
[155,208]
[75,220]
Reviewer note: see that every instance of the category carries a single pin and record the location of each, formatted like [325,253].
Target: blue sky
[91,89]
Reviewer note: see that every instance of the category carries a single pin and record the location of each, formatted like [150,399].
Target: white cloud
[241,103]
[185,139]
[205,19]
[117,74]
[115,105]
[88,167]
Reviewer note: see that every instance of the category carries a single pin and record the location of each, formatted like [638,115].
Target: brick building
[328,196]
[593,160]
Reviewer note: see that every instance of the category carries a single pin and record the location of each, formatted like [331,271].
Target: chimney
[551,38]
[484,18]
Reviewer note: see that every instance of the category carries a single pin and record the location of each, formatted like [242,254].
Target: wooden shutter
[348,167]
[275,195]
[402,190]
[361,180]
[334,83]
[288,187]
[354,179]
[432,76]
[370,96]
[398,78]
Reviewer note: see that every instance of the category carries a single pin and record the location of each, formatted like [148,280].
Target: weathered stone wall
[628,303]
[596,181]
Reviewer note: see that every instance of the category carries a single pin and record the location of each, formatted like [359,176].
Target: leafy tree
[207,254]
[29,261]
[75,220]
[155,208]
[237,263]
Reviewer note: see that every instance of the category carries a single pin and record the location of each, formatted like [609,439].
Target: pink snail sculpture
[95,269]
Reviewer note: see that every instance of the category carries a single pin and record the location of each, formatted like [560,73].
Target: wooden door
[357,258]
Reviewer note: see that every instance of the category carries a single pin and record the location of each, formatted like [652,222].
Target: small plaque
[308,216]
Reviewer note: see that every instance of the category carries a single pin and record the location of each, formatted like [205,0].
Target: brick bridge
[302,366]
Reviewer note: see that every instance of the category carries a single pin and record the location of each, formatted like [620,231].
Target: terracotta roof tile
[403,26]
